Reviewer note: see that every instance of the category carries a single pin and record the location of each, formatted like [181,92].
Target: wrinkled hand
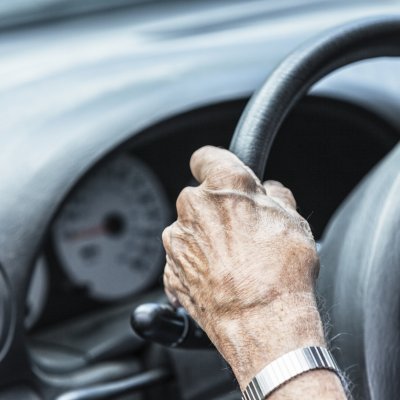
[238,254]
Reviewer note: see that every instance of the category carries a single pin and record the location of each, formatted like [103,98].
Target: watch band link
[286,368]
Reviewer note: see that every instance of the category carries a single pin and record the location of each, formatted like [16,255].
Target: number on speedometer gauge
[107,236]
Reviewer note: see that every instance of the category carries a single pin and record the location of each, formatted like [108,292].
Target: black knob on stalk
[165,325]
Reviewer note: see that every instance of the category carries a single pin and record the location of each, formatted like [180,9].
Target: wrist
[260,335]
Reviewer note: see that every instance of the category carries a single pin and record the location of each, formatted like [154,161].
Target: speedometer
[107,236]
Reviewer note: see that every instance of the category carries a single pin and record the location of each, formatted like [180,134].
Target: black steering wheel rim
[293,78]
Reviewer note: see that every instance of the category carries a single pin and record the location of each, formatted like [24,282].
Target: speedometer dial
[107,236]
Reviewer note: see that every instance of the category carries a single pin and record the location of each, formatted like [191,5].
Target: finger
[281,194]
[176,293]
[166,239]
[174,241]
[184,203]
[172,297]
[169,233]
[172,252]
[220,169]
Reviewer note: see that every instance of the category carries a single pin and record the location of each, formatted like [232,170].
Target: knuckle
[166,279]
[167,271]
[201,154]
[186,194]
[232,175]
[170,280]
[168,235]
[283,194]
[286,191]
[288,194]
[184,199]
[175,231]
[243,178]
[271,182]
[165,236]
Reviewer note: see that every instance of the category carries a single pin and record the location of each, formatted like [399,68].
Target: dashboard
[104,247]
[102,112]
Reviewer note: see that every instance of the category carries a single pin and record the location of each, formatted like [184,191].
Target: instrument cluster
[106,238]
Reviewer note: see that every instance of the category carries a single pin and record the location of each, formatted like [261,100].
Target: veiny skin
[243,263]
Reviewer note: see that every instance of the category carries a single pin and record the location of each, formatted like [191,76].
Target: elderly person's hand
[243,263]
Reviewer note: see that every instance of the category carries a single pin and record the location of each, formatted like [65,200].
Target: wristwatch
[286,368]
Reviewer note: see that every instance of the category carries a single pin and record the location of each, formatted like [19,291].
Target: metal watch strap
[286,368]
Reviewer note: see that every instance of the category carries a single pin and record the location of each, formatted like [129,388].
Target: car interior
[104,103]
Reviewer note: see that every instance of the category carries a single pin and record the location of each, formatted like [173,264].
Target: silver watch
[287,367]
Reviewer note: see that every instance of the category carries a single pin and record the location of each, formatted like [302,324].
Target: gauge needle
[86,233]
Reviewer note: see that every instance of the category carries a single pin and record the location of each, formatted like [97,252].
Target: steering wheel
[373,321]
[360,257]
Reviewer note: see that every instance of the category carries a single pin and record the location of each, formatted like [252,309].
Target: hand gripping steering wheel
[359,248]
